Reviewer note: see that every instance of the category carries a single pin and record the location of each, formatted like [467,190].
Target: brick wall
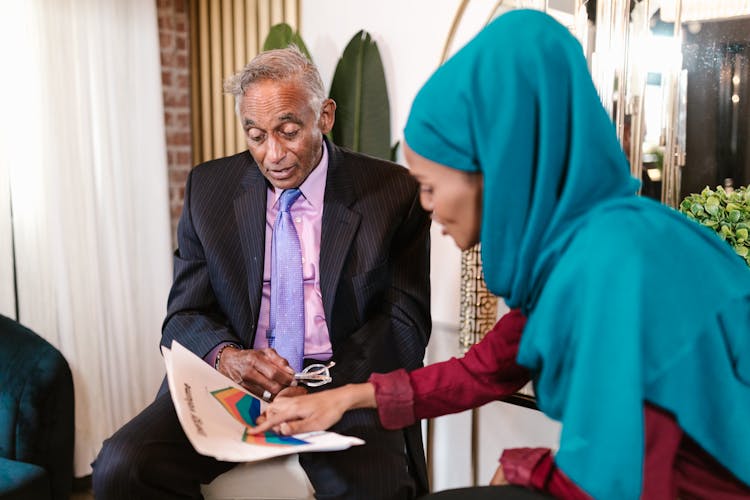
[174,38]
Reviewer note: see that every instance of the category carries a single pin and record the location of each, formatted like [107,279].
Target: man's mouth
[281,174]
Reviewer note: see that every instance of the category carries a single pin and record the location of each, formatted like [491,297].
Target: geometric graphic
[246,409]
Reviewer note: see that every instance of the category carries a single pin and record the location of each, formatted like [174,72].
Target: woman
[638,331]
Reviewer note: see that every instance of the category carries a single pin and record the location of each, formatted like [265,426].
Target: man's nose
[276,151]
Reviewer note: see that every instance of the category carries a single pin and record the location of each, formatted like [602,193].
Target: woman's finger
[275,414]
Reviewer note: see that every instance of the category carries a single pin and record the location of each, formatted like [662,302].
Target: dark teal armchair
[36,417]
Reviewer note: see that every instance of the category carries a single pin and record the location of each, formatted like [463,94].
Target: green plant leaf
[281,36]
[394,151]
[726,213]
[712,208]
[359,89]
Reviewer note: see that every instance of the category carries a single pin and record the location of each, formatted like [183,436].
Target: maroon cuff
[535,468]
[519,464]
[395,398]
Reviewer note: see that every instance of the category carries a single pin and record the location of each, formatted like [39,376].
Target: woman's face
[454,197]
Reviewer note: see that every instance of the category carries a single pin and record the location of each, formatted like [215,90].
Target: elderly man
[351,285]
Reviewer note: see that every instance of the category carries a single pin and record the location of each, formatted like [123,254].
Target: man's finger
[259,371]
[260,385]
[267,363]
[247,369]
[266,377]
[276,359]
[278,375]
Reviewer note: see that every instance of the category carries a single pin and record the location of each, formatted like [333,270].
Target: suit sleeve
[396,335]
[194,318]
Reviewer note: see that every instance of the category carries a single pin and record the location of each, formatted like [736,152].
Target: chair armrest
[21,481]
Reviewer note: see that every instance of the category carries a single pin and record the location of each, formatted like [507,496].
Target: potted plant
[725,211]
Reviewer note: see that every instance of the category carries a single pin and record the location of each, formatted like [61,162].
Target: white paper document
[216,414]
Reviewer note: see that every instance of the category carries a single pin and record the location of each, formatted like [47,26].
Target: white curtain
[82,138]
[7,287]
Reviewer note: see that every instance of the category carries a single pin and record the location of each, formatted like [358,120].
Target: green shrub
[726,213]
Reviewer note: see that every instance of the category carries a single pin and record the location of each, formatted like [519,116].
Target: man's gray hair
[278,65]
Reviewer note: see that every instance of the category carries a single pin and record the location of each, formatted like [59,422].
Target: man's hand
[257,370]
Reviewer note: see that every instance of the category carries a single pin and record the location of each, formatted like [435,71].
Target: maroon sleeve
[486,373]
[395,399]
[535,468]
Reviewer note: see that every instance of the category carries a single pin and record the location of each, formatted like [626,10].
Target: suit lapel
[338,227]
[250,212]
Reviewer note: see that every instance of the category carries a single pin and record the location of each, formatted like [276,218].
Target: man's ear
[327,116]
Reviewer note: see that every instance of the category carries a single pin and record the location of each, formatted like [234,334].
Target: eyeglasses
[315,375]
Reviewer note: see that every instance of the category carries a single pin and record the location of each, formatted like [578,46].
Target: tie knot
[288,197]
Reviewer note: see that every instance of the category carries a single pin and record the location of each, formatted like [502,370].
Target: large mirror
[674,76]
[715,57]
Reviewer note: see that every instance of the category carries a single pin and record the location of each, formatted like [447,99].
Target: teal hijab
[628,301]
[517,104]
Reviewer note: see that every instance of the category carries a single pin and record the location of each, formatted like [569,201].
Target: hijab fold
[517,104]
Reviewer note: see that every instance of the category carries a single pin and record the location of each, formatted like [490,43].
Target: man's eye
[290,134]
[255,137]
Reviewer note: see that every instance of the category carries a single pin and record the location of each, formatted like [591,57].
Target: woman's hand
[499,478]
[314,412]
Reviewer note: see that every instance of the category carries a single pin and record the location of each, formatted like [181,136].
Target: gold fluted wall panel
[478,306]
[224,36]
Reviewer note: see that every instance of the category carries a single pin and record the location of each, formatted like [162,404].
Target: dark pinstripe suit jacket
[374,262]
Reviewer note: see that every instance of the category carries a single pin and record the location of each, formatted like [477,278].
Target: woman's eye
[425,189]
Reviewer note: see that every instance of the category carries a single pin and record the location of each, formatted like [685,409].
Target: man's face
[282,132]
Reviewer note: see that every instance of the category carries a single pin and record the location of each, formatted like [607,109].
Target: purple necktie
[286,331]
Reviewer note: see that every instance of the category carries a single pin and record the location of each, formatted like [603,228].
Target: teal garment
[628,301]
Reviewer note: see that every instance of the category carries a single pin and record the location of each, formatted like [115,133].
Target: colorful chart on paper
[246,409]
